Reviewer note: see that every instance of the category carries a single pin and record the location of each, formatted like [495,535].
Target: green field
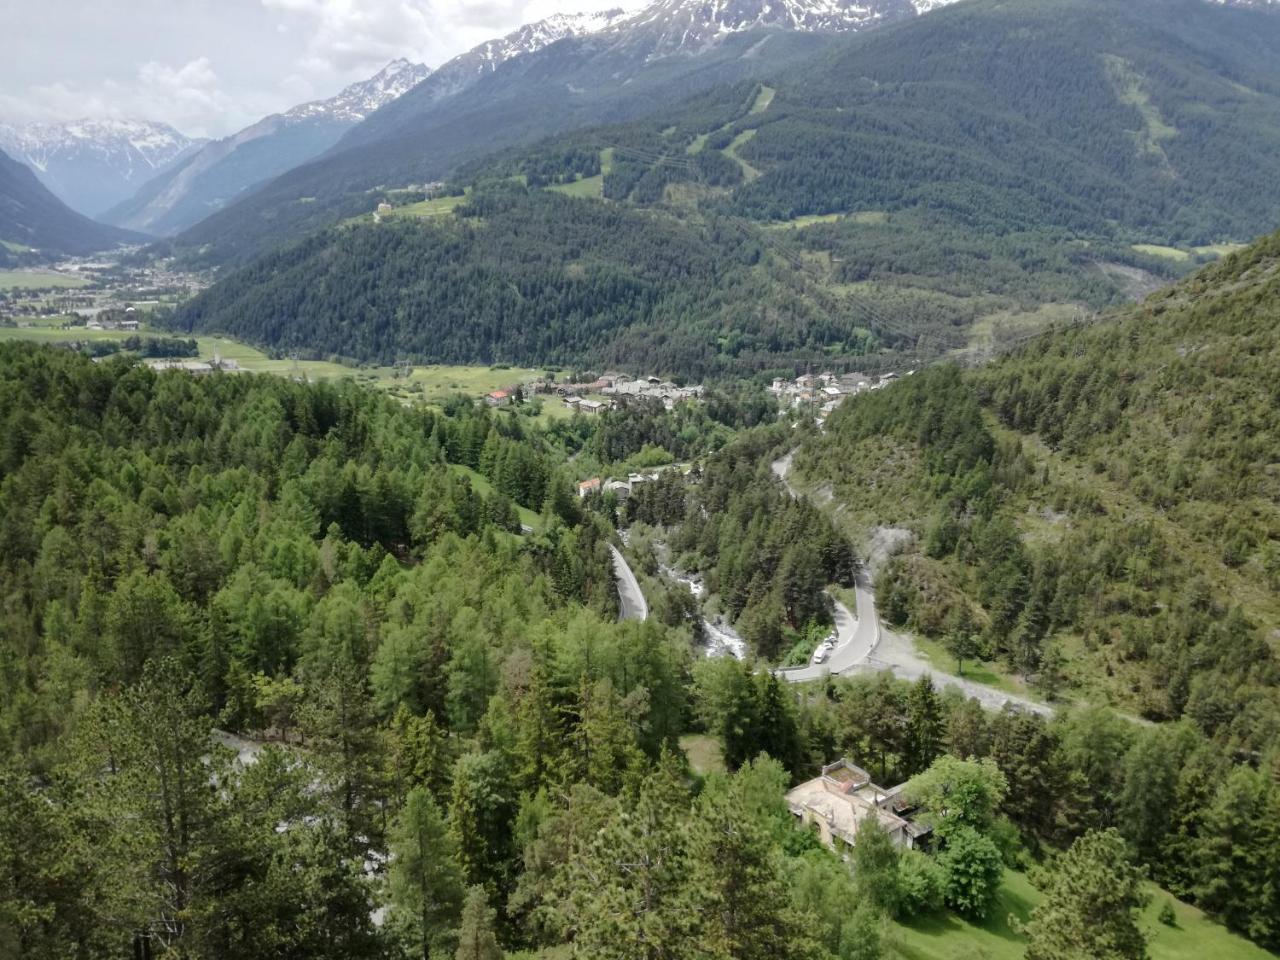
[1218,249]
[948,937]
[763,99]
[588,187]
[808,220]
[995,330]
[14,247]
[425,383]
[39,280]
[1169,253]
[438,207]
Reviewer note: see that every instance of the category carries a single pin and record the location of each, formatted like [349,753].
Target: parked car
[820,655]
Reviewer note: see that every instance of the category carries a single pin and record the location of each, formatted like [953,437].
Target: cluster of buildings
[616,389]
[111,319]
[823,392]
[197,368]
[842,796]
[619,487]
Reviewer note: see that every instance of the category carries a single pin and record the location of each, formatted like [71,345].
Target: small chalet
[842,796]
[498,398]
[588,487]
[592,407]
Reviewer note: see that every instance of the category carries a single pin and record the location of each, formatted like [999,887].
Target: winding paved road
[856,638]
[631,602]
[864,645]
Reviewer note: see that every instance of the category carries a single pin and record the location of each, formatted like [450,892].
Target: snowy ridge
[360,99]
[92,164]
[139,147]
[534,36]
[679,25]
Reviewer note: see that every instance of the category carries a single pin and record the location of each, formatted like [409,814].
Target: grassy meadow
[39,280]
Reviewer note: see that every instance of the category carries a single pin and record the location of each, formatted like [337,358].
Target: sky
[211,67]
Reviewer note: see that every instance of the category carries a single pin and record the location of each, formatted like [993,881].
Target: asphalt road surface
[631,602]
[865,645]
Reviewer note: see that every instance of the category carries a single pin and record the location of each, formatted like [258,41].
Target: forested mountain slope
[952,181]
[34,224]
[1102,502]
[522,275]
[429,736]
[1163,115]
[573,83]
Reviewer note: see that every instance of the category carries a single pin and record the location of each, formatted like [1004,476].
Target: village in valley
[823,392]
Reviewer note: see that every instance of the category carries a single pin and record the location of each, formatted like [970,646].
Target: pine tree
[476,939]
[1089,909]
[738,869]
[924,725]
[631,891]
[426,882]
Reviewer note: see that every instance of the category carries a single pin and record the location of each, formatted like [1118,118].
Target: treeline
[144,347]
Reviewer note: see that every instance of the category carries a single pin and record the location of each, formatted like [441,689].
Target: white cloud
[188,96]
[210,67]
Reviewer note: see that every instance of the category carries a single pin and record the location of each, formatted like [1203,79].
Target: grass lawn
[976,670]
[438,380]
[39,280]
[808,220]
[14,247]
[703,752]
[47,334]
[1169,253]
[553,408]
[948,937]
[763,99]
[588,187]
[994,330]
[430,208]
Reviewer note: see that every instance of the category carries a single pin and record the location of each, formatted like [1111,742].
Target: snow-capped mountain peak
[693,24]
[534,36]
[152,144]
[360,99]
[93,164]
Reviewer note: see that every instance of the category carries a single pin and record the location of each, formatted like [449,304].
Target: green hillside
[35,225]
[515,274]
[1101,503]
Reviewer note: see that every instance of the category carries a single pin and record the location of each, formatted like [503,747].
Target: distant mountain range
[223,170]
[36,225]
[562,73]
[91,165]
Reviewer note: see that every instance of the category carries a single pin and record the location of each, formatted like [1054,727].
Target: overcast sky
[210,67]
